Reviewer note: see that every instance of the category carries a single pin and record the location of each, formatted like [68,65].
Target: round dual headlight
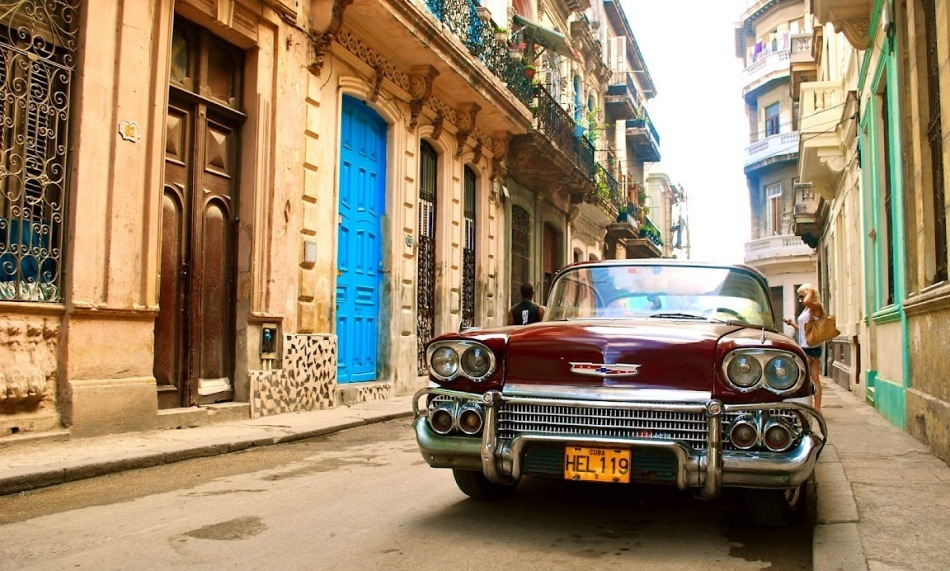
[781,373]
[744,371]
[444,362]
[449,360]
[776,370]
[476,362]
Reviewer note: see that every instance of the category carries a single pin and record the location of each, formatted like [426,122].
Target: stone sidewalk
[883,499]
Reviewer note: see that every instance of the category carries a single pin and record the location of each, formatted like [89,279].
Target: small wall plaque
[130,131]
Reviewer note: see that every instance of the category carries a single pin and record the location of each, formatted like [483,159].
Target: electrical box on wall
[269,333]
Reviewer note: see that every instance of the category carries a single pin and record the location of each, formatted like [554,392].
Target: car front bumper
[707,468]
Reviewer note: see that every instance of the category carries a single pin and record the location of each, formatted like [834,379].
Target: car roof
[666,262]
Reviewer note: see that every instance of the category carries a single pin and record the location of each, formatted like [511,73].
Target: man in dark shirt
[526,311]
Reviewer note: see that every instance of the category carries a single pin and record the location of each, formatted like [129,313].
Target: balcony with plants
[643,137]
[448,45]
[554,156]
[649,241]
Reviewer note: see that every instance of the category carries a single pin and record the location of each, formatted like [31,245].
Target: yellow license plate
[597,464]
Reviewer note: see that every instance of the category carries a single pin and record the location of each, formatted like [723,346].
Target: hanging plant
[529,71]
[516,50]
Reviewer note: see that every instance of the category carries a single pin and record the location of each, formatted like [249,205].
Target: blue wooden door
[359,241]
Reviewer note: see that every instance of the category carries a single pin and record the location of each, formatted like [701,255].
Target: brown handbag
[817,331]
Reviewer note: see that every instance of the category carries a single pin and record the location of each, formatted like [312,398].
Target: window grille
[425,312]
[37,58]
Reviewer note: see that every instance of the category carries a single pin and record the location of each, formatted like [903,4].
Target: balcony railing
[461,18]
[608,189]
[770,66]
[776,145]
[623,98]
[821,159]
[557,125]
[776,247]
[646,141]
[801,50]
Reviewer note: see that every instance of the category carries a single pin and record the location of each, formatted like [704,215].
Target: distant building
[764,39]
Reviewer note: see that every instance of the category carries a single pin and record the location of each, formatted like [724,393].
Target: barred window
[37,48]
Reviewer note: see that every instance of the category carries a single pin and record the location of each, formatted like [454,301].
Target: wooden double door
[195,328]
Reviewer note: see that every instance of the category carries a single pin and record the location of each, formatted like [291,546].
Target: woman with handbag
[808,296]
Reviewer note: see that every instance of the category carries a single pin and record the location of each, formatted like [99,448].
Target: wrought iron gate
[38,43]
[425,275]
[520,250]
[468,252]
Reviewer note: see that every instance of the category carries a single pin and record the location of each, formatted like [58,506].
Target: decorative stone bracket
[420,89]
[465,114]
[326,20]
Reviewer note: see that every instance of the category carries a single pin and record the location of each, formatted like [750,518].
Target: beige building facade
[234,208]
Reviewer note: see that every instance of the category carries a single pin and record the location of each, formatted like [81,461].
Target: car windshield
[659,292]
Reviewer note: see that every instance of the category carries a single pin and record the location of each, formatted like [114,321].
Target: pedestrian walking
[526,311]
[808,296]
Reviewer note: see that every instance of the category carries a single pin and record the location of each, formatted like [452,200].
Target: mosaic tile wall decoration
[306,381]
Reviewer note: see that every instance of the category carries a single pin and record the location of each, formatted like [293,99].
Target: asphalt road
[364,499]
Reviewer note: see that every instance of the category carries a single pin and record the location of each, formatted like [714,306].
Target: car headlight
[744,371]
[450,359]
[781,373]
[444,362]
[777,370]
[476,361]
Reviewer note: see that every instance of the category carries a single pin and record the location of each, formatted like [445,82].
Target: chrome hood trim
[587,392]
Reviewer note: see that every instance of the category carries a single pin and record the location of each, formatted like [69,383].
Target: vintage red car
[659,372]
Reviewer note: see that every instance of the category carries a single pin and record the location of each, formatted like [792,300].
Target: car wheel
[476,485]
[776,508]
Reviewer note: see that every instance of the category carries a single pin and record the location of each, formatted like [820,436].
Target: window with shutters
[38,44]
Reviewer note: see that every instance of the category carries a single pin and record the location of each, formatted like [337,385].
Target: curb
[32,479]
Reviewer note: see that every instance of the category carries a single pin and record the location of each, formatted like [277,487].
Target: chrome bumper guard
[709,470]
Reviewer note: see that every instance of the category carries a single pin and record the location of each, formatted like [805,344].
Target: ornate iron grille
[520,250]
[686,427]
[468,252]
[37,50]
[557,125]
[461,18]
[935,137]
[425,296]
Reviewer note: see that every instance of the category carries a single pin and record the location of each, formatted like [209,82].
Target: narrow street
[364,499]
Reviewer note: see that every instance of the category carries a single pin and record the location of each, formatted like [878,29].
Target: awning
[533,33]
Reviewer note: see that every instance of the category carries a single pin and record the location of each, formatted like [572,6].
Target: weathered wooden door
[359,240]
[194,330]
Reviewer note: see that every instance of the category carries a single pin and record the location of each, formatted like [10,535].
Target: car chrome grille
[518,419]
[689,428]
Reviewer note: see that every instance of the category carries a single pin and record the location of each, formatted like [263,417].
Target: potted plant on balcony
[516,50]
[529,71]
[501,34]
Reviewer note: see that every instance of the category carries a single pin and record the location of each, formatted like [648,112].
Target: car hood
[673,355]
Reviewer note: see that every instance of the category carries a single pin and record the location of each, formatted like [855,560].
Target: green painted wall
[887,395]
